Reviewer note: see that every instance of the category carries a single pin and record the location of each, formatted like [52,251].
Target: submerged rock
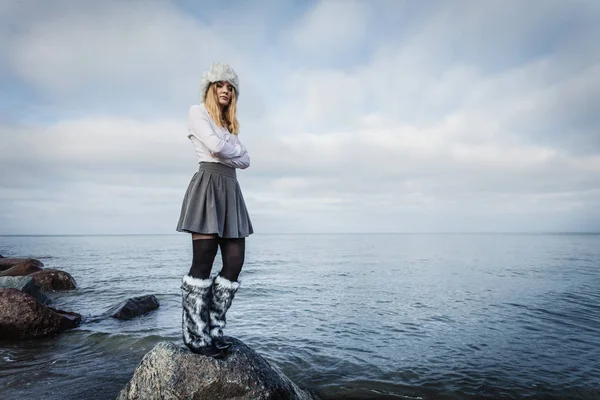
[25,267]
[54,280]
[26,285]
[169,371]
[133,307]
[23,317]
[6,263]
[128,309]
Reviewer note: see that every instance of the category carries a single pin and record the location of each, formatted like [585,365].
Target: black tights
[205,250]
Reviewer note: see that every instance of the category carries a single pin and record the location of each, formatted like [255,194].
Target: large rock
[6,263]
[54,280]
[169,371]
[26,285]
[23,317]
[21,269]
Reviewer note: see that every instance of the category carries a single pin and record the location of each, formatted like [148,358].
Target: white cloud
[95,51]
[99,143]
[433,131]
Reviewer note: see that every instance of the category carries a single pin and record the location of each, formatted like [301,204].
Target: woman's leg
[232,253]
[204,251]
[224,288]
[197,292]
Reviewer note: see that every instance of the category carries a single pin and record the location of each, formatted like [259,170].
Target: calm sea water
[396,316]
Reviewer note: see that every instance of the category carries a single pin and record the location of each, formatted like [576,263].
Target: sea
[346,316]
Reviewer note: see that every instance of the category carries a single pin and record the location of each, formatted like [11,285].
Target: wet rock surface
[53,280]
[26,285]
[169,371]
[128,309]
[9,262]
[23,317]
[22,268]
[134,307]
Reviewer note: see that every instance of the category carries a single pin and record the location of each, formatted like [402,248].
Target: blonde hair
[226,118]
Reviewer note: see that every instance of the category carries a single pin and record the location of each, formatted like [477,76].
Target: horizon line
[322,233]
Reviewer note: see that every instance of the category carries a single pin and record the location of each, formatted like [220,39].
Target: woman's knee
[235,260]
[204,248]
[232,252]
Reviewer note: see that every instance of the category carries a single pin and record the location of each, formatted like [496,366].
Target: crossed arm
[242,161]
[231,153]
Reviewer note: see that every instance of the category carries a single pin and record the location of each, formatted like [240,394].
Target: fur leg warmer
[196,295]
[223,292]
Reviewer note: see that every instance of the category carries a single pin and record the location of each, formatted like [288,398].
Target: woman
[214,212]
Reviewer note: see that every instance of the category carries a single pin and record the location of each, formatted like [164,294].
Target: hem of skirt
[220,235]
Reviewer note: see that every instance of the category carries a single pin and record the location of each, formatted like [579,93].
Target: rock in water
[54,280]
[22,269]
[6,263]
[23,317]
[128,309]
[133,307]
[169,371]
[26,285]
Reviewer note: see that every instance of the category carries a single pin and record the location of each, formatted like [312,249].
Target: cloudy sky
[359,116]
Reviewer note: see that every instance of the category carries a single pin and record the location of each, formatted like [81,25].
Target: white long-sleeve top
[213,143]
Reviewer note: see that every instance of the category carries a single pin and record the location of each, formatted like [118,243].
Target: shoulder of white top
[198,107]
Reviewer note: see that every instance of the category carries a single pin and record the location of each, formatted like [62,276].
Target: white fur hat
[219,72]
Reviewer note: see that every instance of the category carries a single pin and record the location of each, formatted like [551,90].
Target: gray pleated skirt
[214,204]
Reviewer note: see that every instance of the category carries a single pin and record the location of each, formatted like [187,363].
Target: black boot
[196,294]
[223,292]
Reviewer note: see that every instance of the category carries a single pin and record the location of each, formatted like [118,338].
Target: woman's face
[224,93]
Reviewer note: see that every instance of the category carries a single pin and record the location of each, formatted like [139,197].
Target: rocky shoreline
[25,311]
[168,371]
